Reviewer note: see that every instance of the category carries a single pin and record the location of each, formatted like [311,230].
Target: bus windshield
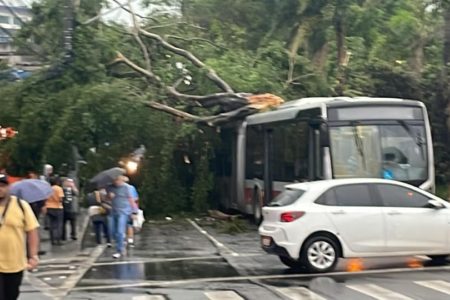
[396,152]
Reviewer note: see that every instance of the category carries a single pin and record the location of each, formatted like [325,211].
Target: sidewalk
[69,247]
[56,258]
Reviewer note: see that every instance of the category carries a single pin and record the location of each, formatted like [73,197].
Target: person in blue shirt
[135,196]
[122,207]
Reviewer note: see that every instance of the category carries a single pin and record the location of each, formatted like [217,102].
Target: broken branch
[191,57]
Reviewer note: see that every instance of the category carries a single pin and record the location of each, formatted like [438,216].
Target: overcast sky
[114,13]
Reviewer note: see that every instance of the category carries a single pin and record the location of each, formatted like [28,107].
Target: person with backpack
[18,231]
[70,206]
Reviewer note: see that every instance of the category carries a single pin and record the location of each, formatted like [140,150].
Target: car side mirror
[432,203]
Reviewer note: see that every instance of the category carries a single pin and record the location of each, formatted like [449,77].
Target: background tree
[289,48]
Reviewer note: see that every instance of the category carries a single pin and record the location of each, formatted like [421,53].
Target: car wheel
[291,263]
[320,254]
[438,259]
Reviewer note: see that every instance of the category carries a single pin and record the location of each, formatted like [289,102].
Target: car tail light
[291,216]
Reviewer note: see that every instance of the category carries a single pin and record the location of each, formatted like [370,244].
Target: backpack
[19,203]
[68,200]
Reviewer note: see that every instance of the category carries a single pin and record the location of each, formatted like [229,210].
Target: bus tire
[257,207]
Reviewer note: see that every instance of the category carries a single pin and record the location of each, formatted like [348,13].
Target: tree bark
[339,28]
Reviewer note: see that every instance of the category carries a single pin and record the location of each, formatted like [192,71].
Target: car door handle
[394,213]
[338,212]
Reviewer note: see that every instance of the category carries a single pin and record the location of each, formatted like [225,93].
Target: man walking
[122,207]
[18,228]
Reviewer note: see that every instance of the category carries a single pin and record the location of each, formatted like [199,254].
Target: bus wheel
[257,207]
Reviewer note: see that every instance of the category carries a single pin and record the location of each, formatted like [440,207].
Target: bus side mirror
[324,136]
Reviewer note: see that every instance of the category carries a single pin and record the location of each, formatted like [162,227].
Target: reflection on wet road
[163,271]
[179,261]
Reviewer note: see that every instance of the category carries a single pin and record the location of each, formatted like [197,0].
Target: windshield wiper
[359,146]
[416,138]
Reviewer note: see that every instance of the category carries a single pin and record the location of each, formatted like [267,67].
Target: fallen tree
[223,106]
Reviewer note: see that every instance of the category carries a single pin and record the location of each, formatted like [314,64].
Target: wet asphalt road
[182,261]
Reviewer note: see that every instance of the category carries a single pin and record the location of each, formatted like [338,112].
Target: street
[184,260]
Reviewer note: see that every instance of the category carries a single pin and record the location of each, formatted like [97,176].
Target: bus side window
[254,159]
[290,147]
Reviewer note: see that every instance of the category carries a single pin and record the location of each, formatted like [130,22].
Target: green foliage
[394,49]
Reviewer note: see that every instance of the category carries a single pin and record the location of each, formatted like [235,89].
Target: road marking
[438,285]
[149,297]
[62,260]
[377,292]
[223,295]
[258,277]
[156,260]
[71,282]
[422,257]
[299,293]
[55,272]
[212,239]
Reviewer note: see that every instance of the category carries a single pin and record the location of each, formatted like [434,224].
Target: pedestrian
[55,211]
[37,206]
[70,205]
[19,239]
[122,207]
[130,226]
[99,210]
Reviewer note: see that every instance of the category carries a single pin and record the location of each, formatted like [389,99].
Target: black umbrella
[107,177]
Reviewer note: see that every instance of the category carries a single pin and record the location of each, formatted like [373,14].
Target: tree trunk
[446,56]
[416,60]
[339,28]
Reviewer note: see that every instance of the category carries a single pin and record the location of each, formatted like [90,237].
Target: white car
[313,224]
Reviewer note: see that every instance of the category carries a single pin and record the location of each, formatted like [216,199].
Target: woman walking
[55,211]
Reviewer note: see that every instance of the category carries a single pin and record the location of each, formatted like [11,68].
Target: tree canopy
[289,48]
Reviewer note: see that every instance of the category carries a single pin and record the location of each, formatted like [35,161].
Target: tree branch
[173,111]
[191,57]
[208,120]
[175,24]
[136,33]
[147,73]
[169,36]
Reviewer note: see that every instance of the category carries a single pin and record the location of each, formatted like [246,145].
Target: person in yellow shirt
[55,211]
[18,228]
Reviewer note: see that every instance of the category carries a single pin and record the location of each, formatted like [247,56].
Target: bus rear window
[287,197]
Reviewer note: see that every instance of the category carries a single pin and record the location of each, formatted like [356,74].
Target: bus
[323,138]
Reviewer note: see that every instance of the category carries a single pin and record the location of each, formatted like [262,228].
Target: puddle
[160,271]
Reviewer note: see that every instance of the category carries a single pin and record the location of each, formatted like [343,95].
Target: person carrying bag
[98,211]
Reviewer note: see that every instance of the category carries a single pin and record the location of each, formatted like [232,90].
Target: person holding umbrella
[122,204]
[17,225]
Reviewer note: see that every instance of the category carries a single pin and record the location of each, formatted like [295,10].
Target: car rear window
[287,197]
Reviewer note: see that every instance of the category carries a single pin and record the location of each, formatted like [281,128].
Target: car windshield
[379,151]
[288,197]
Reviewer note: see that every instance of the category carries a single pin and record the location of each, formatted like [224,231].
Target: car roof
[325,184]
